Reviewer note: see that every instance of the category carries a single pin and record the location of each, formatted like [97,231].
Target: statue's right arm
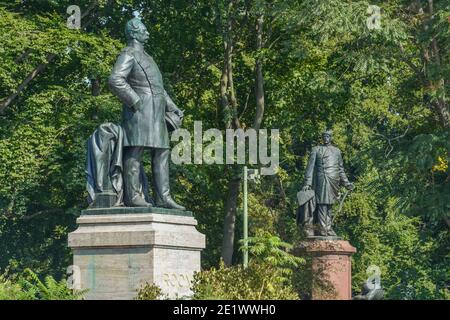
[310,167]
[118,80]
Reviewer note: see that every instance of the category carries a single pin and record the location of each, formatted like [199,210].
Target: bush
[260,281]
[268,276]
[150,291]
[29,287]
[14,291]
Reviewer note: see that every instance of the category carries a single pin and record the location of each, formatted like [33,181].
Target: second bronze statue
[324,175]
[137,81]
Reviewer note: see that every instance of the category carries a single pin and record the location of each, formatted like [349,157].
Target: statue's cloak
[104,161]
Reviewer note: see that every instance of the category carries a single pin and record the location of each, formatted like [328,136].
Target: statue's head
[327,136]
[135,29]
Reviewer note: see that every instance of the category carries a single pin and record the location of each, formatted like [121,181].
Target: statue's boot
[322,220]
[132,183]
[321,232]
[169,203]
[331,233]
[160,170]
[139,201]
[308,231]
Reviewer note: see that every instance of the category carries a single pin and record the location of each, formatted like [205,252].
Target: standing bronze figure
[137,81]
[323,177]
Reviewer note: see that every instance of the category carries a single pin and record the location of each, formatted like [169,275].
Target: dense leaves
[383,92]
[28,286]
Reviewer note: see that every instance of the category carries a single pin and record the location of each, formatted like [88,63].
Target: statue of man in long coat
[324,174]
[137,81]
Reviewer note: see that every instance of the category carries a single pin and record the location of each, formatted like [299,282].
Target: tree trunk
[447,221]
[8,101]
[440,106]
[96,88]
[259,79]
[22,56]
[224,88]
[229,104]
[230,220]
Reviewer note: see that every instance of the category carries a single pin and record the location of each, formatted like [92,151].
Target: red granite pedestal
[331,268]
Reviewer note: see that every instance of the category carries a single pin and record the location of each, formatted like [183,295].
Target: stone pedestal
[117,250]
[331,268]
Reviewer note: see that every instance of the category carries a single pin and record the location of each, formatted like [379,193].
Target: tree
[299,66]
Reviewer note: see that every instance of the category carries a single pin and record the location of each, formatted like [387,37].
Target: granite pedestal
[331,267]
[117,250]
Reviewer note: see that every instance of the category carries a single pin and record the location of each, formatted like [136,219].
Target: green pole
[245,218]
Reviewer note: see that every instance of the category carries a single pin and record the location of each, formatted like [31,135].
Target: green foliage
[427,161]
[49,289]
[378,89]
[257,282]
[270,250]
[268,275]
[413,264]
[10,290]
[29,287]
[42,144]
[150,291]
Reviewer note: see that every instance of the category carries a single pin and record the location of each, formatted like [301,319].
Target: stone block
[331,268]
[117,253]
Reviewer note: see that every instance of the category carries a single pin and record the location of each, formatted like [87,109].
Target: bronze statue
[137,81]
[323,177]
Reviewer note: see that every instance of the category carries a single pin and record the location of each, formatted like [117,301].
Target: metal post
[245,218]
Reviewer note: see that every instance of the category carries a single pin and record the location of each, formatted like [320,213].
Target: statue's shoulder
[127,51]
[315,149]
[335,149]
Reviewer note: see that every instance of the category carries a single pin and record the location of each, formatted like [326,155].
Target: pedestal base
[117,253]
[330,267]
[104,200]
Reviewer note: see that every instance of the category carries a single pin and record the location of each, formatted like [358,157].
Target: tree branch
[39,213]
[447,221]
[41,67]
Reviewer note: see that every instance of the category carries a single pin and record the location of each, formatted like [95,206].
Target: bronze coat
[137,81]
[325,172]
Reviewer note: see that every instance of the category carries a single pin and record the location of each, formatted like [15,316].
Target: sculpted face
[326,138]
[141,34]
[135,29]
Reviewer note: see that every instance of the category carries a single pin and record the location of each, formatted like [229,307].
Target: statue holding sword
[323,177]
